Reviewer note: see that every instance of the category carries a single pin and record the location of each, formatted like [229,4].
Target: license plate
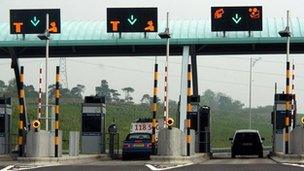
[139,145]
[247,144]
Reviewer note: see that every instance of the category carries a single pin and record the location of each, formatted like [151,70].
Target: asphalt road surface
[238,164]
[220,162]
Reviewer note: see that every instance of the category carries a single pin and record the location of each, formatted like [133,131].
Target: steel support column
[183,88]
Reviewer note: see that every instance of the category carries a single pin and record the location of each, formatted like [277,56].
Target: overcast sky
[227,74]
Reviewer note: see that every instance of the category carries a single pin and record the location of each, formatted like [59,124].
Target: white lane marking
[151,167]
[290,164]
[7,168]
[27,167]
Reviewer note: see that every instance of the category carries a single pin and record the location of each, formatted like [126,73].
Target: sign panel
[131,20]
[33,21]
[247,18]
[143,127]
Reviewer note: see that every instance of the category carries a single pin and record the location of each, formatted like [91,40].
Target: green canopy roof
[86,33]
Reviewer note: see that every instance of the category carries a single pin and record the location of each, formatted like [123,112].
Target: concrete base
[62,159]
[42,144]
[184,144]
[171,142]
[74,143]
[287,158]
[279,147]
[297,141]
[196,158]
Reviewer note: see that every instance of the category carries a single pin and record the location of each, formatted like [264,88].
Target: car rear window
[139,136]
[247,137]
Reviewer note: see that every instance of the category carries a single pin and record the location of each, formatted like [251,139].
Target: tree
[30,91]
[11,90]
[128,91]
[208,98]
[115,95]
[2,87]
[146,99]
[104,90]
[77,91]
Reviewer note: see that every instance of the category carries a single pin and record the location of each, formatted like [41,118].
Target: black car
[137,145]
[247,142]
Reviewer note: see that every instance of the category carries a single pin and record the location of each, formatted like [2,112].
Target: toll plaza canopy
[90,38]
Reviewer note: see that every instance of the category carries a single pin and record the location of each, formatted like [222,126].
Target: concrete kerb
[6,158]
[63,159]
[196,158]
[287,158]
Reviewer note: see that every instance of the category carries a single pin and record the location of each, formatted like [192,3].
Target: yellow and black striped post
[154,108]
[287,107]
[21,114]
[189,109]
[57,94]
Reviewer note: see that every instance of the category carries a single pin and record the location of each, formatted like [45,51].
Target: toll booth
[93,125]
[5,125]
[278,119]
[203,130]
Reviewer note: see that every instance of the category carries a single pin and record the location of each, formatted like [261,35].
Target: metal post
[166,92]
[22,123]
[287,105]
[183,88]
[294,97]
[40,95]
[46,78]
[252,63]
[274,119]
[189,109]
[194,71]
[154,107]
[57,94]
[250,90]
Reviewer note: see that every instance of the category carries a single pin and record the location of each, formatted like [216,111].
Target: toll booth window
[2,123]
[91,123]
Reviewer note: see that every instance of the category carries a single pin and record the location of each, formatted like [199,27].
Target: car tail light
[126,145]
[149,145]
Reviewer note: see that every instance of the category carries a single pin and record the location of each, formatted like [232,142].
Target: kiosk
[5,125]
[93,125]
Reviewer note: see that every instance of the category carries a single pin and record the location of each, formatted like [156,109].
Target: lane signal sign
[254,13]
[33,21]
[150,26]
[53,27]
[236,18]
[115,25]
[18,27]
[218,14]
[125,20]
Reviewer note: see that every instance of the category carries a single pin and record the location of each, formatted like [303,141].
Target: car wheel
[148,157]
[232,155]
[124,157]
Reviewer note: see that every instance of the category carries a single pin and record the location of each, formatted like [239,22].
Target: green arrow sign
[35,21]
[236,18]
[132,20]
